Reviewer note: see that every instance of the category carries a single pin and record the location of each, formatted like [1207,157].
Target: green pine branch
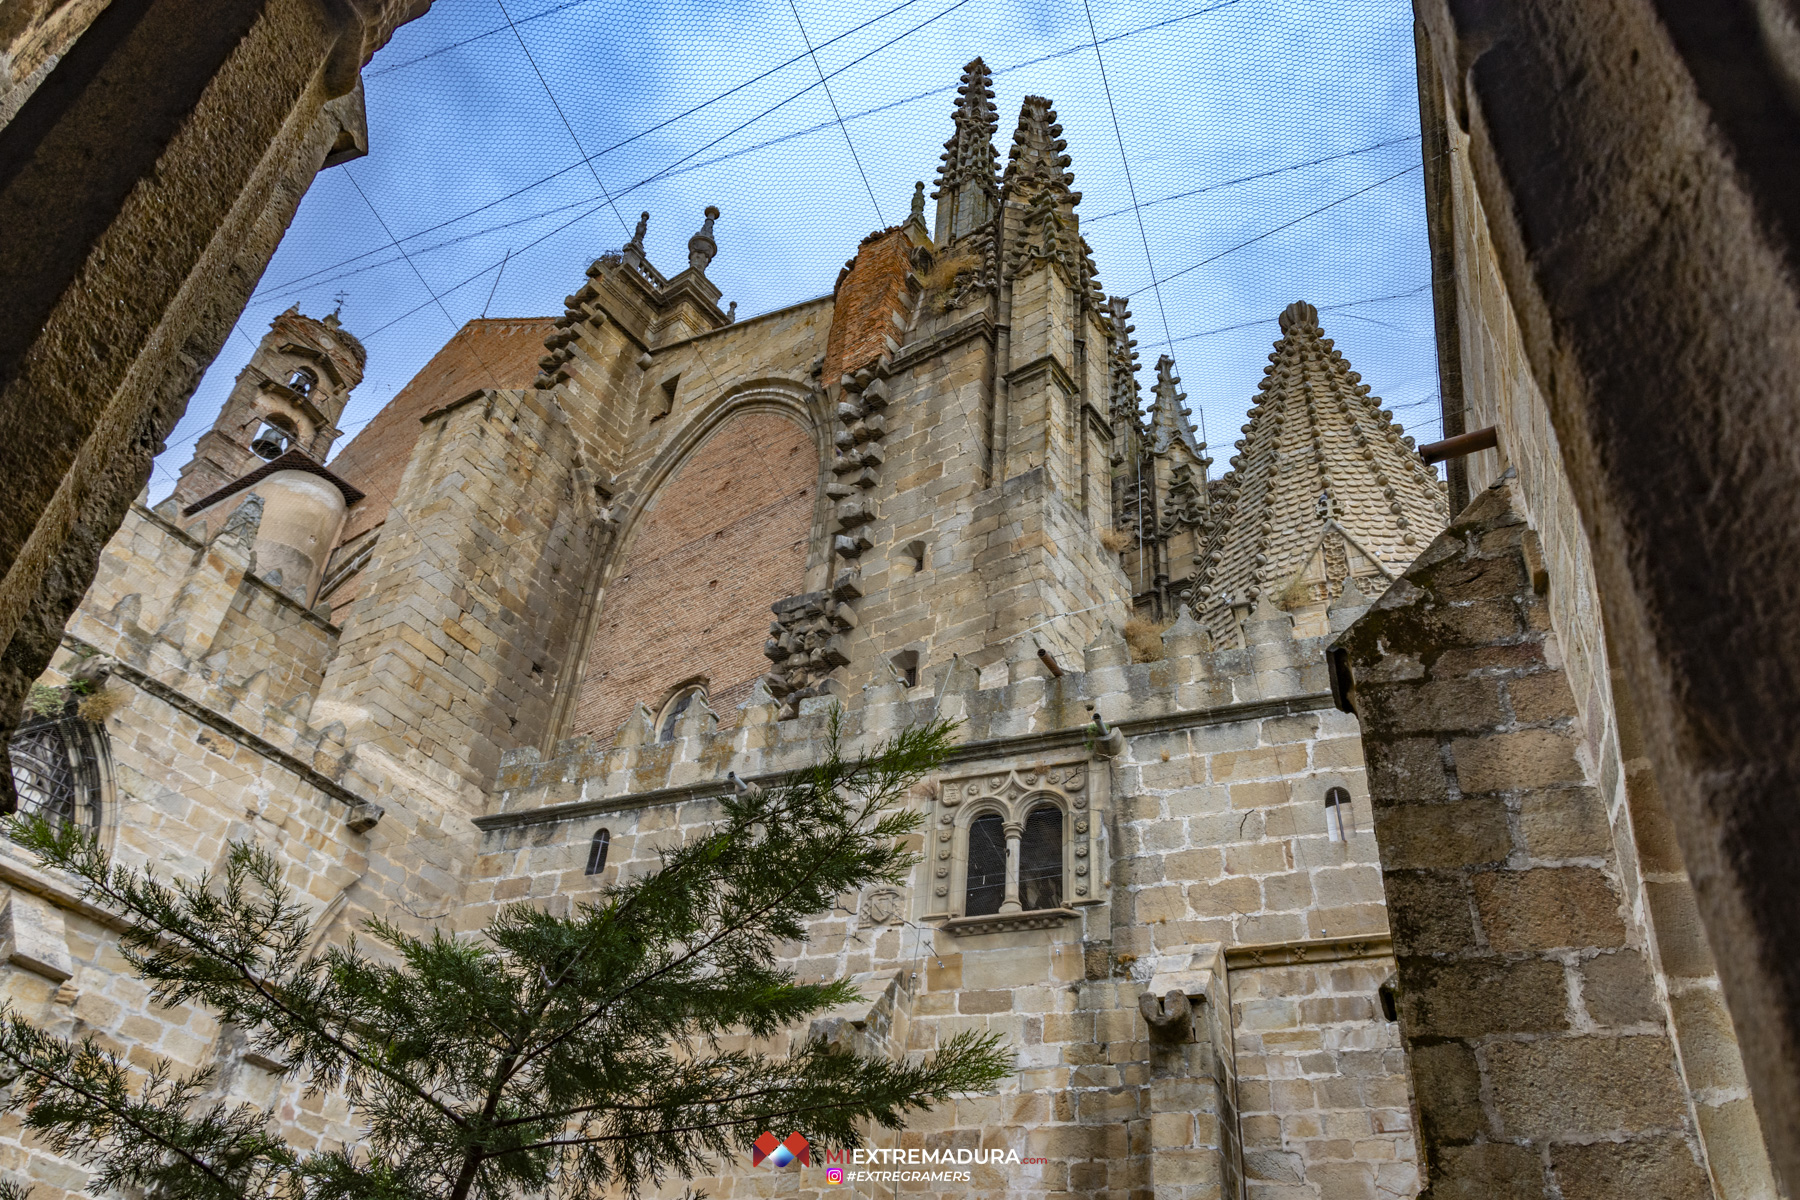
[612,1048]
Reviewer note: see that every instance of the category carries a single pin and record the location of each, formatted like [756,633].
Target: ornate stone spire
[1036,161]
[968,191]
[1041,226]
[1170,429]
[1324,489]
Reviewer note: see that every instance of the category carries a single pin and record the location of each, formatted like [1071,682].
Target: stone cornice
[987,748]
[740,323]
[1314,950]
[981,324]
[223,724]
[1044,918]
[1049,365]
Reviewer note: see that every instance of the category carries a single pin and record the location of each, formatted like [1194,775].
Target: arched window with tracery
[1041,859]
[1011,866]
[987,866]
[596,861]
[59,769]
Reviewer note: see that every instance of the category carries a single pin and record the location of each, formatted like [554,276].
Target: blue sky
[1272,147]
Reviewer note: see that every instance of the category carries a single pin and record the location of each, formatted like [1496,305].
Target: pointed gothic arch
[726,520]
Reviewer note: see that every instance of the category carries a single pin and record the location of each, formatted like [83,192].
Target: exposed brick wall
[492,353]
[867,297]
[724,539]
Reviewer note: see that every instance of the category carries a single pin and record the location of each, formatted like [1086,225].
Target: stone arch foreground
[723,538]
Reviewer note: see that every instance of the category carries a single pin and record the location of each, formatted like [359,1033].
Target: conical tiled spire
[1324,487]
[968,190]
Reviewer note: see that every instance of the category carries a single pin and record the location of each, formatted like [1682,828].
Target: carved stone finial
[633,251]
[1037,160]
[731,314]
[1169,424]
[702,247]
[918,202]
[967,189]
[1297,316]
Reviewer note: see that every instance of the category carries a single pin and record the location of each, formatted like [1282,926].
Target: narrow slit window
[1340,820]
[987,866]
[906,666]
[1041,859]
[597,852]
[666,405]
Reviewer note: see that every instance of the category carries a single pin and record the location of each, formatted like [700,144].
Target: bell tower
[288,397]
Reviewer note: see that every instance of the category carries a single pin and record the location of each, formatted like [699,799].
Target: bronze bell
[269,442]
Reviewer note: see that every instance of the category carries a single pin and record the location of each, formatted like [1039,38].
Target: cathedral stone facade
[509,644]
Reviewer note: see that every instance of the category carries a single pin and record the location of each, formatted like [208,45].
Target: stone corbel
[365,27]
[34,938]
[873,1026]
[1170,1016]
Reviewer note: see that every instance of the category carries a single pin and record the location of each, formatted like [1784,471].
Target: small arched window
[597,849]
[303,381]
[906,666]
[57,770]
[987,866]
[1041,859]
[678,704]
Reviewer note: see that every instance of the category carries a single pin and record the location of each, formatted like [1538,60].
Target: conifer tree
[548,1055]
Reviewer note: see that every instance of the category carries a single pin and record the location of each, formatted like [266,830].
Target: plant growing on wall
[548,1054]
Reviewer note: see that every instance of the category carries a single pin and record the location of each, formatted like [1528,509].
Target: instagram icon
[834,1175]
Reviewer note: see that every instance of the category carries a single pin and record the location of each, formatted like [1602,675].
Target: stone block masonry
[1494,328]
[928,478]
[1541,1052]
[453,650]
[491,353]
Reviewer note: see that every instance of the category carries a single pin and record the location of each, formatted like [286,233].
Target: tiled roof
[293,460]
[1319,450]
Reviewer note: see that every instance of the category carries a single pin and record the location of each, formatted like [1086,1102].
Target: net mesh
[1272,148]
[987,867]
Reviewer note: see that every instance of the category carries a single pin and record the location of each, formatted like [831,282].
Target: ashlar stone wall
[1541,1047]
[1498,388]
[1215,852]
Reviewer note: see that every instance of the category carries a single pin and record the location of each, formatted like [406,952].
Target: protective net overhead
[1272,148]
